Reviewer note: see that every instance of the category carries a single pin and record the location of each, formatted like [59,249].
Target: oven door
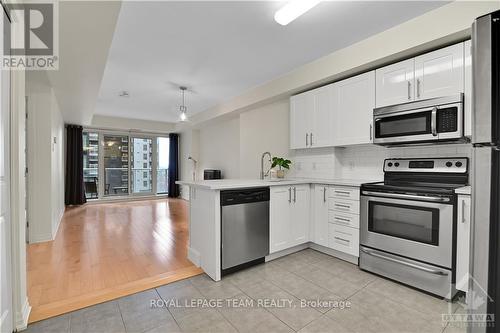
[409,226]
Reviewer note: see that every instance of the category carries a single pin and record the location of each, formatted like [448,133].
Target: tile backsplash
[363,161]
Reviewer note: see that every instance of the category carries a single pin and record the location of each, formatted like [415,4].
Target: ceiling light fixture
[124,93]
[293,9]
[183,108]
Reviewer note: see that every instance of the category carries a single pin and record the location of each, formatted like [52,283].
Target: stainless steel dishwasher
[245,227]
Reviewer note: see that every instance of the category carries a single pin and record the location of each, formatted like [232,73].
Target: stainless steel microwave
[436,119]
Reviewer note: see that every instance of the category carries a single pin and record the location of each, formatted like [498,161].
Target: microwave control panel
[447,120]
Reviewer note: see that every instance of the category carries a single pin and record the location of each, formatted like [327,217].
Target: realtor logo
[31,38]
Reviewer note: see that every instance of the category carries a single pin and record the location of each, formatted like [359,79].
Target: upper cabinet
[353,109]
[341,113]
[395,83]
[440,73]
[434,74]
[310,118]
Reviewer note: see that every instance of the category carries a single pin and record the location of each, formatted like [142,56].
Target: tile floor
[279,296]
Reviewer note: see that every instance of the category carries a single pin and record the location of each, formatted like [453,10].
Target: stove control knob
[389,164]
[449,164]
[396,164]
[458,164]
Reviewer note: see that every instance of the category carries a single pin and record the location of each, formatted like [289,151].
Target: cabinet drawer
[345,219]
[346,206]
[343,239]
[342,192]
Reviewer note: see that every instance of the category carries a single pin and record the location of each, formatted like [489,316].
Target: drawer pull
[342,192]
[343,206]
[342,239]
[342,219]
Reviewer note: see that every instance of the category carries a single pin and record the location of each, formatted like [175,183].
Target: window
[145,174]
[145,156]
[116,161]
[162,165]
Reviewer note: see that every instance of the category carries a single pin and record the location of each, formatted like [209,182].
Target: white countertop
[463,190]
[227,184]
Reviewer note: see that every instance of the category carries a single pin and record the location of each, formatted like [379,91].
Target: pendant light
[183,108]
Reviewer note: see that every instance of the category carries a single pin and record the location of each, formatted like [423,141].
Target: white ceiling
[221,49]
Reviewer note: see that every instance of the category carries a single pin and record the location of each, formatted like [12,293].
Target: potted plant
[282,164]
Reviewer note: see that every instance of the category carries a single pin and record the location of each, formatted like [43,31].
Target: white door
[467,88]
[300,214]
[440,73]
[354,103]
[280,224]
[321,132]
[301,111]
[320,201]
[463,241]
[6,321]
[395,83]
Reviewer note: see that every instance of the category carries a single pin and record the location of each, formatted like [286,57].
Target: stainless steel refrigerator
[484,292]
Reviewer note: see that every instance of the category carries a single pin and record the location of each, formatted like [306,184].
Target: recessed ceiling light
[293,9]
[124,93]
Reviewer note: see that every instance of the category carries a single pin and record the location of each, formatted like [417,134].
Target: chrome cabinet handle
[434,121]
[342,239]
[409,90]
[342,192]
[324,194]
[307,139]
[289,194]
[371,132]
[418,88]
[342,219]
[406,196]
[311,141]
[294,194]
[402,262]
[463,211]
[343,206]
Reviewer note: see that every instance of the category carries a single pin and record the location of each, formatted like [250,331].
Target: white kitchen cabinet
[468,88]
[395,83]
[289,216]
[310,118]
[353,109]
[344,239]
[463,241]
[320,215]
[301,111]
[440,73]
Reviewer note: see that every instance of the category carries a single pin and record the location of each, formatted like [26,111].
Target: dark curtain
[173,165]
[75,190]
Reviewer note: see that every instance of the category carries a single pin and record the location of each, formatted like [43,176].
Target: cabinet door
[322,124]
[440,73]
[395,83]
[463,242]
[301,112]
[280,224]
[467,88]
[300,214]
[320,202]
[354,103]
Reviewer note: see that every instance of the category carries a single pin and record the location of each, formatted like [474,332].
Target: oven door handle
[406,196]
[402,262]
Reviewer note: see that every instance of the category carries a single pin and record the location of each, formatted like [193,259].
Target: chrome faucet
[262,173]
[194,167]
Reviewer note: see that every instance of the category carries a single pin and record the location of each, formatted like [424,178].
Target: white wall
[128,124]
[219,147]
[45,159]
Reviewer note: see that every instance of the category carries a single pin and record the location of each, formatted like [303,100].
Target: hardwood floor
[104,251]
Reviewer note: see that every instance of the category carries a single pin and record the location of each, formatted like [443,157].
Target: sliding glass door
[121,164]
[116,172]
[141,165]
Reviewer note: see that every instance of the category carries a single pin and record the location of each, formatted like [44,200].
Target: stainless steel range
[408,222]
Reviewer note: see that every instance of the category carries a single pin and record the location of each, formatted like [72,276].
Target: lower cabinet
[320,215]
[289,216]
[463,241]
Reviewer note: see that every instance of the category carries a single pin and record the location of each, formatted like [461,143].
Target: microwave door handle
[434,121]
[406,196]
[403,262]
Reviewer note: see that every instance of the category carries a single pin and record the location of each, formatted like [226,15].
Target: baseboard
[58,223]
[334,253]
[40,238]
[286,252]
[194,256]
[23,316]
